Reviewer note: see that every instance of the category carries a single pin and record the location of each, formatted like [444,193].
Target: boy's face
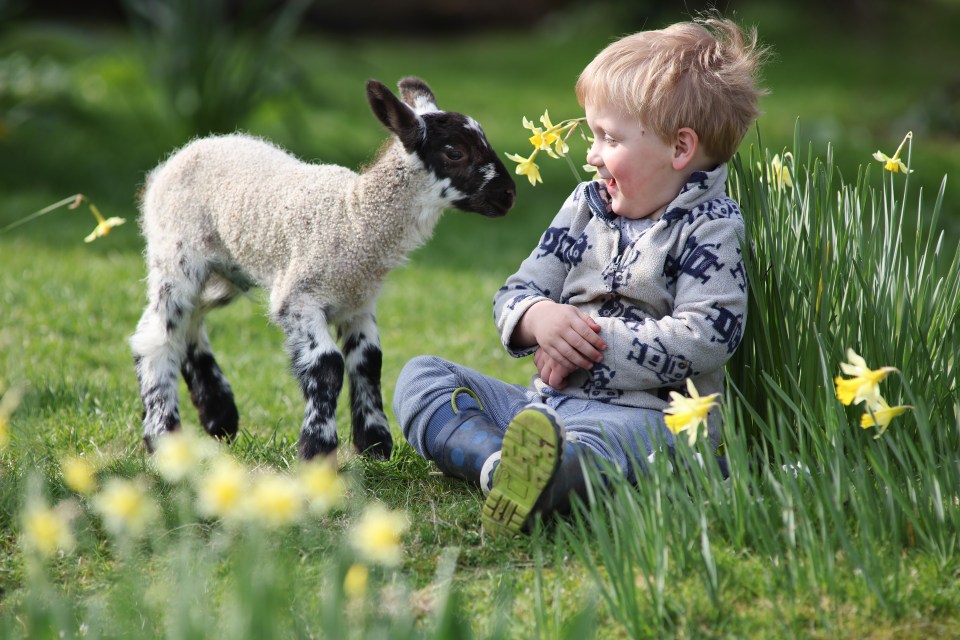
[634,163]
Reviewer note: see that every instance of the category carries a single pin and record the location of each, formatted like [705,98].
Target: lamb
[228,213]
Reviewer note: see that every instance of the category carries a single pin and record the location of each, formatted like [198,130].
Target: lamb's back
[248,199]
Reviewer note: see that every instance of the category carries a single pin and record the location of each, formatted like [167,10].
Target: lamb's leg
[361,348]
[159,347]
[318,365]
[209,389]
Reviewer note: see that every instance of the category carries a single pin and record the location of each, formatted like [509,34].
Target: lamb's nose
[511,196]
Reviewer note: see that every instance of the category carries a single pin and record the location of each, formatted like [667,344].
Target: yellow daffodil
[180,454]
[322,485]
[378,533]
[8,404]
[779,171]
[46,530]
[688,413]
[527,167]
[879,414]
[79,474]
[221,492]
[275,500]
[355,581]
[894,164]
[864,385]
[126,507]
[541,140]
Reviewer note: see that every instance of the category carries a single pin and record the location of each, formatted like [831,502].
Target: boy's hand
[567,337]
[550,371]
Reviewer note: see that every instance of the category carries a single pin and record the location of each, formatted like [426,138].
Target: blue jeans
[624,436]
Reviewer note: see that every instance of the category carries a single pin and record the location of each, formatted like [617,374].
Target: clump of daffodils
[686,414]
[863,386]
[551,139]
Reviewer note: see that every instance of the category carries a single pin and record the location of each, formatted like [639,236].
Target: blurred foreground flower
[880,414]
[378,533]
[894,164]
[47,530]
[322,485]
[275,500]
[8,404]
[222,491]
[180,454]
[864,385]
[552,139]
[79,474]
[687,414]
[126,507]
[355,581]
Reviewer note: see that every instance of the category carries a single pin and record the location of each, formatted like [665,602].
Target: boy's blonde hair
[700,75]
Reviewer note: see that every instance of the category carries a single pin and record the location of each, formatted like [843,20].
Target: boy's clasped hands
[568,338]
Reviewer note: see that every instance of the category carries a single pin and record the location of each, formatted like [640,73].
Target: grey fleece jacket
[671,306]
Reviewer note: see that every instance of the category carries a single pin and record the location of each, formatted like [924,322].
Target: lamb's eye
[454,155]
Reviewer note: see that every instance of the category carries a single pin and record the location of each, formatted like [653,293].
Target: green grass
[864,547]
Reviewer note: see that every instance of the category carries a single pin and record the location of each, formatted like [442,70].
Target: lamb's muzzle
[226,213]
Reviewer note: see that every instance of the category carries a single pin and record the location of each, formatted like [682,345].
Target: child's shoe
[531,454]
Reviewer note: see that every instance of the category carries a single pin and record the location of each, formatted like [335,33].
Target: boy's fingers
[590,344]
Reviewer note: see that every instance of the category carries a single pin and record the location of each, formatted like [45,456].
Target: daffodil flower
[688,413]
[322,485]
[180,454]
[879,414]
[46,529]
[894,164]
[103,225]
[79,474]
[378,533]
[275,500]
[551,139]
[527,167]
[864,385]
[355,581]
[126,507]
[779,171]
[222,491]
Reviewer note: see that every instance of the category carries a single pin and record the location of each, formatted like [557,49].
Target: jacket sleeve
[540,277]
[705,326]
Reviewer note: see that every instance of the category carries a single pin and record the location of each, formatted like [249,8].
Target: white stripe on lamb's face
[489,172]
[473,125]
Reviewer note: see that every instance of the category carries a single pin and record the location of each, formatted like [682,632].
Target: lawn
[864,546]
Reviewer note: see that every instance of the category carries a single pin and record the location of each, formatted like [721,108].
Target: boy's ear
[685,148]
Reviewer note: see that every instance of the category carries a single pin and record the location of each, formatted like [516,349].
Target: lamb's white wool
[226,213]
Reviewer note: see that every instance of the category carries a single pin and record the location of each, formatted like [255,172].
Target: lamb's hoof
[375,443]
[311,447]
[150,439]
[224,424]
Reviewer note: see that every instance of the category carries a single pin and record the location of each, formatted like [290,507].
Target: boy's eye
[608,139]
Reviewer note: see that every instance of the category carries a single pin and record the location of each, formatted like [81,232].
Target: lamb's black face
[455,149]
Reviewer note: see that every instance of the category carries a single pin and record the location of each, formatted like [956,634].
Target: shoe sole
[529,458]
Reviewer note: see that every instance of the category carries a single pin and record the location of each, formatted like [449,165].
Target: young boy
[637,285]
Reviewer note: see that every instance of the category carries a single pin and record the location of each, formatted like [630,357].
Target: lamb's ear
[418,95]
[395,116]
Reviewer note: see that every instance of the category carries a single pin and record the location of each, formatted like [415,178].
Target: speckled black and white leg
[209,389]
[361,349]
[318,365]
[159,344]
